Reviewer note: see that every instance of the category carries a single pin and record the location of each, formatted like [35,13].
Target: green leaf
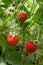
[6,2]
[40,19]
[29,3]
[0,0]
[3,42]
[39,14]
[33,58]
[14,58]
[2,62]
[40,22]
[39,0]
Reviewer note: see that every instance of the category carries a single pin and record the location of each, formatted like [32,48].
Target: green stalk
[23,46]
[23,38]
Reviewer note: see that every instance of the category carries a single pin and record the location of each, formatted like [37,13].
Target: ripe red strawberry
[30,47]
[12,40]
[22,16]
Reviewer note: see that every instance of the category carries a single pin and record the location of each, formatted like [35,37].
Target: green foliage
[2,61]
[31,29]
[3,42]
[14,58]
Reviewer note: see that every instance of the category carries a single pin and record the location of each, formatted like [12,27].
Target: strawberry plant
[21,32]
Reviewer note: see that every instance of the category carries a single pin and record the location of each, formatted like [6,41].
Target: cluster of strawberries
[13,40]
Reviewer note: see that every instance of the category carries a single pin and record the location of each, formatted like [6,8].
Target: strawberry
[12,40]
[22,16]
[31,47]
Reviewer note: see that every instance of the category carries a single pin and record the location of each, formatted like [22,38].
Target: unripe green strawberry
[31,47]
[22,16]
[12,40]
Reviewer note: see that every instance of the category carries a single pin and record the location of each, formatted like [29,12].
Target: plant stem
[23,37]
[23,45]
